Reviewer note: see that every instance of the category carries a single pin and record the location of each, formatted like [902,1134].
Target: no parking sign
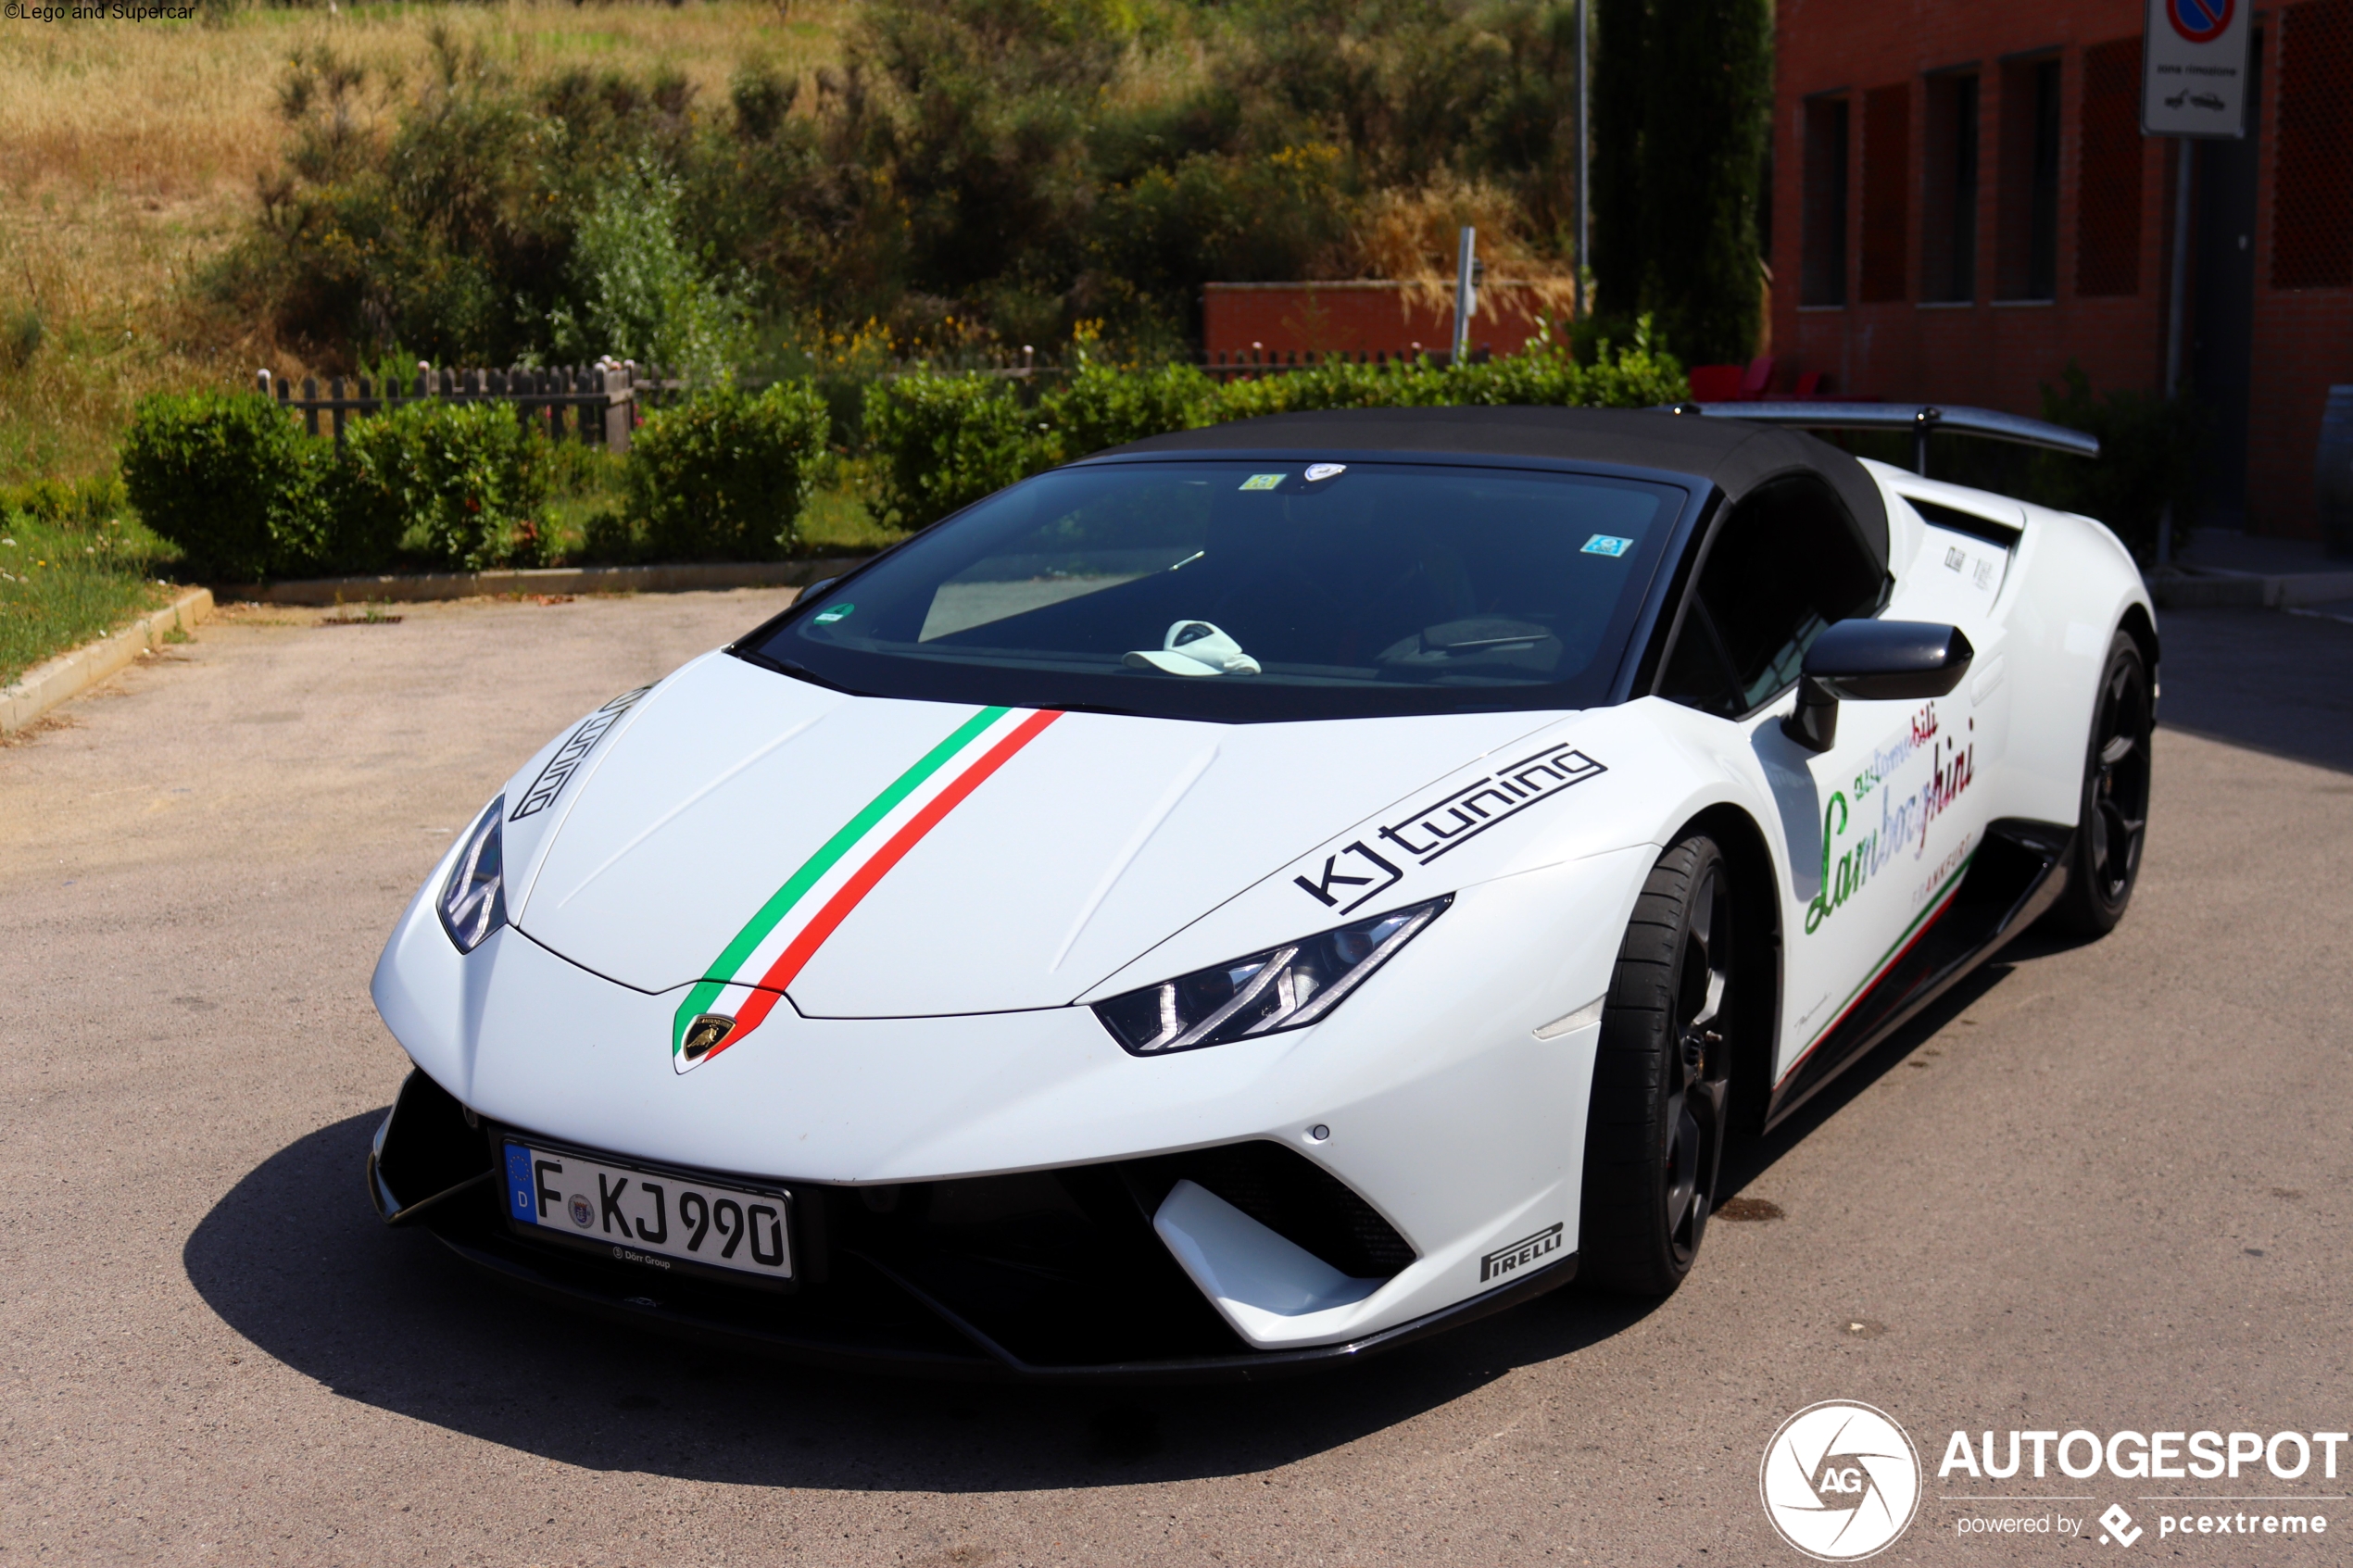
[2194,68]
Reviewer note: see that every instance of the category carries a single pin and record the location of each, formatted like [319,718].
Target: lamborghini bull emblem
[704,1035]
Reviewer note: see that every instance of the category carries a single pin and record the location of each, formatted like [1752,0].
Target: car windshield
[1251,590]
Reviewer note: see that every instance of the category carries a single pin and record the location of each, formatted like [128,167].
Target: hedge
[946,440]
[229,479]
[724,476]
[461,486]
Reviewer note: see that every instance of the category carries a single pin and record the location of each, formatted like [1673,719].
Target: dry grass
[1413,235]
[134,150]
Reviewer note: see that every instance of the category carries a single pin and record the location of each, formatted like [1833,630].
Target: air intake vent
[1291,1196]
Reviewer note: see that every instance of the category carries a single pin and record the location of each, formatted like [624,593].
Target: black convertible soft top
[1735,457]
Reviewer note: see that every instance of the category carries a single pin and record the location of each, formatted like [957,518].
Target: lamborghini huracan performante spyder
[1261,894]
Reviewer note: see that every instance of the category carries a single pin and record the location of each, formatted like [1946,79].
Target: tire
[1662,1078]
[2103,861]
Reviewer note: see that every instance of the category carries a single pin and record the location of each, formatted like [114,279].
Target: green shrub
[723,476]
[2151,455]
[1101,406]
[947,441]
[229,479]
[462,485]
[941,442]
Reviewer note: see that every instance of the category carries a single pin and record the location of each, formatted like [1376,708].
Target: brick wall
[2114,190]
[1371,318]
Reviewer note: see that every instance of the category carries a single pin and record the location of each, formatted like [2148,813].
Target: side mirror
[1874,661]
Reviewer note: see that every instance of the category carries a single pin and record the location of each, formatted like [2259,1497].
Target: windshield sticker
[832,613]
[568,758]
[1262,481]
[1448,825]
[746,980]
[1607,544]
[1319,472]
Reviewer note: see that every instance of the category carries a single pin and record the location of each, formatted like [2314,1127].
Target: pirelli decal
[574,751]
[1446,825]
[1507,1261]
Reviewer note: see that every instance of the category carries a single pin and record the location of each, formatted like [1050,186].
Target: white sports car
[1261,894]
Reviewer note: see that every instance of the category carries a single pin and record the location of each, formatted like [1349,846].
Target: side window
[1782,569]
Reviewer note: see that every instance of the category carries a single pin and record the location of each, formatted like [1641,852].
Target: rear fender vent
[1288,1194]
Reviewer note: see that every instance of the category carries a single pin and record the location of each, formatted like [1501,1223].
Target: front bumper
[1044,1277]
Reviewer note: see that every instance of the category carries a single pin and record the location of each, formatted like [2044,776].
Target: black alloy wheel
[1662,1078]
[2113,820]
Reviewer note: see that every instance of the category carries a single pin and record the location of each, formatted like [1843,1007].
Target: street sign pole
[2175,307]
[2193,87]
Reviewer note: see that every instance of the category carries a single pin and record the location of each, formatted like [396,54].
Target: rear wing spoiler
[1922,419]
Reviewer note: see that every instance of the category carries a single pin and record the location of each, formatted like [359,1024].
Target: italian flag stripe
[732,974]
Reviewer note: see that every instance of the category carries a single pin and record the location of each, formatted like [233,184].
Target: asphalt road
[2103,1187]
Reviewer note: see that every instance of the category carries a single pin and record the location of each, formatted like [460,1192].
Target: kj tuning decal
[1379,877]
[743,983]
[1427,831]
[1448,825]
[568,758]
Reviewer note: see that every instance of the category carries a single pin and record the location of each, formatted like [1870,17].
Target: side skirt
[2017,873]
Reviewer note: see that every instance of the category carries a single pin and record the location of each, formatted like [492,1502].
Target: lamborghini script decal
[568,758]
[746,980]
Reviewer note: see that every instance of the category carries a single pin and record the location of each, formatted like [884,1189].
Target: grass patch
[71,576]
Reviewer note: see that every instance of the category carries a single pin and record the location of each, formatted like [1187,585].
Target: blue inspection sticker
[832,613]
[1607,544]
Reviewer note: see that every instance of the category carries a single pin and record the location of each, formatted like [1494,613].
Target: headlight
[1286,987]
[474,901]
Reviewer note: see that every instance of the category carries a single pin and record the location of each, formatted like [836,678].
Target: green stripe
[1893,949]
[707,991]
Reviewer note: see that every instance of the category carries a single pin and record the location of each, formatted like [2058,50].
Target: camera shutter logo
[1840,1481]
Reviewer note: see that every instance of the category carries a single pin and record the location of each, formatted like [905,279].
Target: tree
[1683,101]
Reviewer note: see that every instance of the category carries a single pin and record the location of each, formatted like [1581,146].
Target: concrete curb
[2248,590]
[69,674]
[416,587]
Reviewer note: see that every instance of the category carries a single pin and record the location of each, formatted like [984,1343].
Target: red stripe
[796,955]
[1864,994]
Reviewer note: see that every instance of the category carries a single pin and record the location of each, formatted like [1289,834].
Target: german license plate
[647,1217]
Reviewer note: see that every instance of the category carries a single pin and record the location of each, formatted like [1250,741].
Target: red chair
[1757,380]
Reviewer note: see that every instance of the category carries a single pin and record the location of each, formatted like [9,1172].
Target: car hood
[1038,855]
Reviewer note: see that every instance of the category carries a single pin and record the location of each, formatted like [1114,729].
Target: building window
[1823,262]
[2027,229]
[2312,182]
[1887,172]
[2108,186]
[1948,191]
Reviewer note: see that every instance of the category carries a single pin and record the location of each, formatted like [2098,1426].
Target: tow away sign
[2194,68]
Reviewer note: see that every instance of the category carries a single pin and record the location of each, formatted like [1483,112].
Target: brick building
[1963,201]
